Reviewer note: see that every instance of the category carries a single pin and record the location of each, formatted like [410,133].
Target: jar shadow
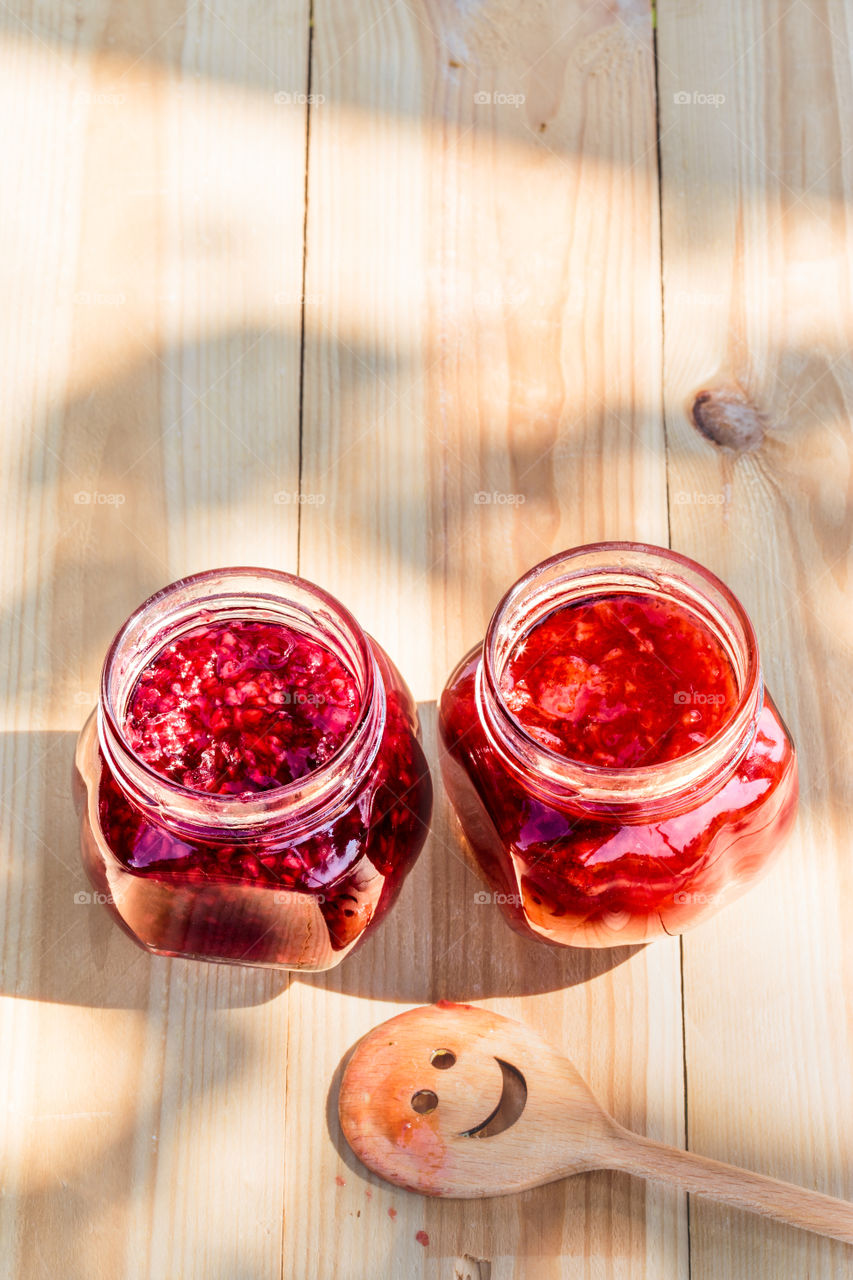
[69,948]
[487,960]
[444,940]
[438,941]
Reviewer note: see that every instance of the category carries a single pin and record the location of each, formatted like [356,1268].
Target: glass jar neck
[606,569]
[265,595]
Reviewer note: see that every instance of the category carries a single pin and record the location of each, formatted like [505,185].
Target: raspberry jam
[617,768]
[253,788]
[237,708]
[620,681]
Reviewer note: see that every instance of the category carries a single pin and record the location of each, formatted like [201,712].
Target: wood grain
[758,313]
[480,390]
[475,357]
[152,271]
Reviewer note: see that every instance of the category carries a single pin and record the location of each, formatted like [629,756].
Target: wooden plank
[757,251]
[152,269]
[487,322]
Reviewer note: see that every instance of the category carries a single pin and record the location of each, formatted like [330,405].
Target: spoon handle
[796,1206]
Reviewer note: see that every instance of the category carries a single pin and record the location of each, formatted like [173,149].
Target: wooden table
[406,296]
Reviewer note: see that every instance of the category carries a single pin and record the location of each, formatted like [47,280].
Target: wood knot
[729,419]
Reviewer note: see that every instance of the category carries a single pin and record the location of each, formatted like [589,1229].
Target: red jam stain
[239,707]
[339,1180]
[415,1134]
[419,1136]
[620,681]
[392,1213]
[422,1238]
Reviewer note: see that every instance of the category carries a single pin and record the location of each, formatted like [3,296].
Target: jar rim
[234,811]
[599,781]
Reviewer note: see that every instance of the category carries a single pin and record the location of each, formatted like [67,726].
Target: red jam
[231,708]
[234,712]
[620,681]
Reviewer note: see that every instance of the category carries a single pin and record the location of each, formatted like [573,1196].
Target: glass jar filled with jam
[251,787]
[617,767]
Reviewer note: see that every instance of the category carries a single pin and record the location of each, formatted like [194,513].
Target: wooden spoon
[450,1100]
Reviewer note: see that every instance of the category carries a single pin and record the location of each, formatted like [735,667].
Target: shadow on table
[66,947]
[440,943]
[448,64]
[437,942]
[110,1133]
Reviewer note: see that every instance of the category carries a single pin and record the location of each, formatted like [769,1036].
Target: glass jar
[588,856]
[292,877]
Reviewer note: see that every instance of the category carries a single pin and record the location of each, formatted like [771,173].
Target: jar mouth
[239,593]
[609,568]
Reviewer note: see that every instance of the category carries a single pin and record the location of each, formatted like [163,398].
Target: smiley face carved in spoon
[509,1106]
[421,1089]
